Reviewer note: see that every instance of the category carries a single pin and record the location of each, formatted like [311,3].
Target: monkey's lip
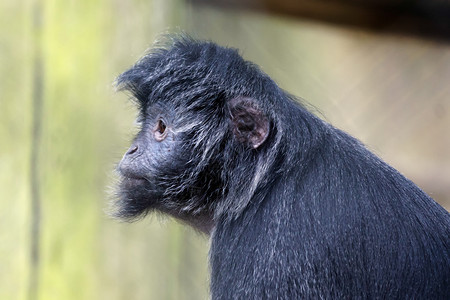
[134,179]
[126,175]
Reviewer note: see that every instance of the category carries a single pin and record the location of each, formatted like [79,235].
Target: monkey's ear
[249,124]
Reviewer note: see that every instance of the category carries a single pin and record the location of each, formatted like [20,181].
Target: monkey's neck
[203,222]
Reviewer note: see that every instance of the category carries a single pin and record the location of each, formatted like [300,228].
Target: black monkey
[296,208]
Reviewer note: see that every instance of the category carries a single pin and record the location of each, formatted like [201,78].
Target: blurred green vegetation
[391,92]
[84,129]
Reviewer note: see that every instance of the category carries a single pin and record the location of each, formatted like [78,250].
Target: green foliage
[83,253]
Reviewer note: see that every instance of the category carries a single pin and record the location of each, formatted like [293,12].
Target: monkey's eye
[160,130]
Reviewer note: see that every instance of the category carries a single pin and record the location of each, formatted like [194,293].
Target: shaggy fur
[296,208]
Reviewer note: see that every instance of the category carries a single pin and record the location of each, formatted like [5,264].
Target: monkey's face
[152,165]
[168,167]
[179,162]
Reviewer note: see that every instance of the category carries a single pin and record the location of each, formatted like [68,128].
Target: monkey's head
[205,133]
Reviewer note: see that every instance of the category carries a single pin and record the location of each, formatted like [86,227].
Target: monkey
[294,207]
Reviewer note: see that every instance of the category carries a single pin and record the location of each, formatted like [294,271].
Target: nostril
[132,150]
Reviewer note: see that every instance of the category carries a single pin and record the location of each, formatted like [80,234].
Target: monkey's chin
[136,197]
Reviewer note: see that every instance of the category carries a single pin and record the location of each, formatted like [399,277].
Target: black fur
[296,208]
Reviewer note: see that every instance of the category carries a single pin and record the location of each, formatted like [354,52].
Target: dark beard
[136,197]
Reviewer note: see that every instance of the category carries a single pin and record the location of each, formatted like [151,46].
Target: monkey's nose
[132,150]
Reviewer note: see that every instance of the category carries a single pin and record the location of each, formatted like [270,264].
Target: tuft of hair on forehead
[180,64]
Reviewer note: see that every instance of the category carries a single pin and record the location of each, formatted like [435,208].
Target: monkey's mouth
[138,187]
[131,182]
[131,178]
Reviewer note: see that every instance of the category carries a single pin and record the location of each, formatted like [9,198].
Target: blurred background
[377,69]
